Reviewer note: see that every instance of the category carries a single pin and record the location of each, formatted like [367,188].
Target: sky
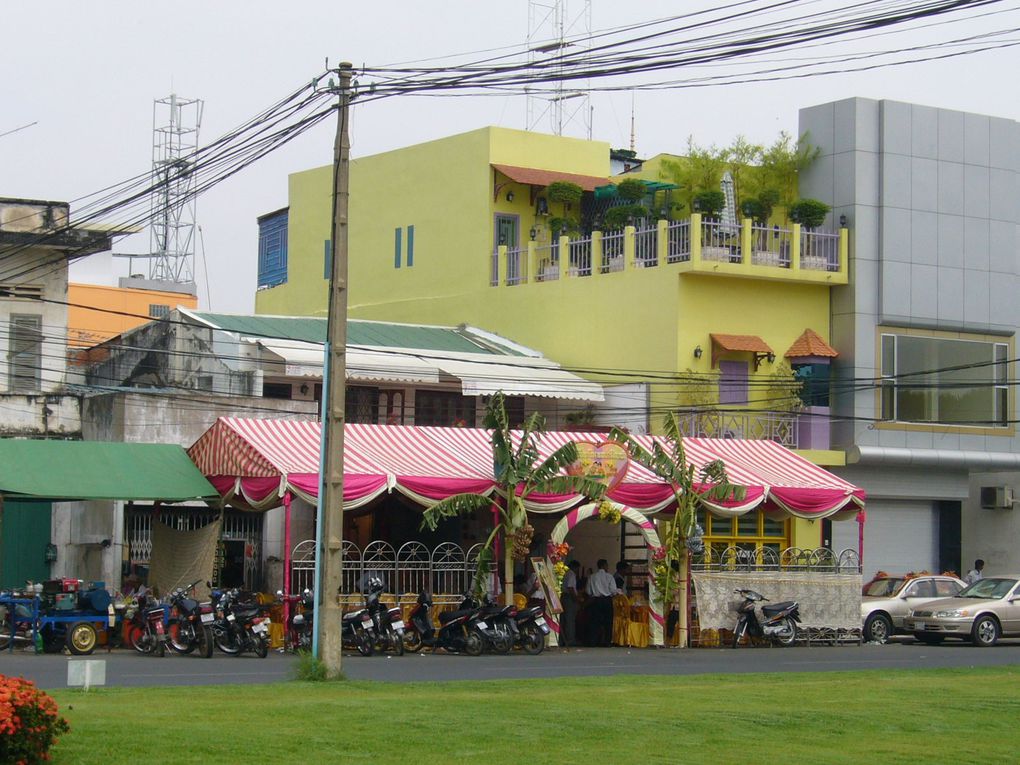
[87,73]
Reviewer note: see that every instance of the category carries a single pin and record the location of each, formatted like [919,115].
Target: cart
[26,621]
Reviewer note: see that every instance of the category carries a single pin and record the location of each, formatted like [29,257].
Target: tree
[700,170]
[809,213]
[780,166]
[568,195]
[690,488]
[518,474]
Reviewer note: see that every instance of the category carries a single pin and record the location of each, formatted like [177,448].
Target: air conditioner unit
[996,497]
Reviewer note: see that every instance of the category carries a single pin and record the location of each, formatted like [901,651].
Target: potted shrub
[810,213]
[710,203]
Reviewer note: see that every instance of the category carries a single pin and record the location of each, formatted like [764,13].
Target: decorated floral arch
[591,510]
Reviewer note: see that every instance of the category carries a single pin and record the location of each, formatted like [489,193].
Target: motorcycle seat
[448,616]
[775,608]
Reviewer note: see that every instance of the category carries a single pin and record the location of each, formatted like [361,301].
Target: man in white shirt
[975,575]
[601,588]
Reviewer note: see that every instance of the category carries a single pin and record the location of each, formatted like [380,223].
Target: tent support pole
[286,558]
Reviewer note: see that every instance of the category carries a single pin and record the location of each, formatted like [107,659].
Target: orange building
[97,312]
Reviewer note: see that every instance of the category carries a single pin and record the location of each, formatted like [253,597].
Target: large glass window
[945,381]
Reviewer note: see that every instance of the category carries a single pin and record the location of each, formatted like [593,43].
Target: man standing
[622,570]
[975,575]
[568,621]
[602,587]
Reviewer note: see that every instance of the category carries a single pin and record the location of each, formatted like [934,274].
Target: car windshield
[988,588]
[883,588]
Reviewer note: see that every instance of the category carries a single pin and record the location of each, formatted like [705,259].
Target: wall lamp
[842,221]
[533,233]
[697,351]
[760,357]
[509,196]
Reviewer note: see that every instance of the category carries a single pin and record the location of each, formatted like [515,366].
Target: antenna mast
[552,34]
[175,124]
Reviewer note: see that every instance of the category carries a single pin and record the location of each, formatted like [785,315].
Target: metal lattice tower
[552,31]
[175,124]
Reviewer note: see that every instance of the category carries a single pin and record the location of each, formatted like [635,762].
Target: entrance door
[24,534]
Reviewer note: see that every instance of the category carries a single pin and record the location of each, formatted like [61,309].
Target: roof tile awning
[535,177]
[810,343]
[740,343]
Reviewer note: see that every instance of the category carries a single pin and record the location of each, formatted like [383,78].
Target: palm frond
[575,484]
[451,507]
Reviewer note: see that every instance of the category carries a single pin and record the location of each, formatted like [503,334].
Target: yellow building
[96,312]
[692,311]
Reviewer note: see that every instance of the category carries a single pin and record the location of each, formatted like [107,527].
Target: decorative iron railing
[768,426]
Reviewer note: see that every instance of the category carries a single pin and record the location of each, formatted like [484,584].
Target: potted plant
[810,213]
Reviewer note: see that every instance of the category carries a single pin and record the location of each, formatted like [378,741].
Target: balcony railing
[768,426]
[697,245]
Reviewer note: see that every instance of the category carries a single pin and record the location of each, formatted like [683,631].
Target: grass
[943,715]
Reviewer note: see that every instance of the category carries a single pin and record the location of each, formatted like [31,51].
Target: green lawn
[932,716]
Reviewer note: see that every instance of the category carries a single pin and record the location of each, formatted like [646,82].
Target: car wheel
[878,629]
[928,639]
[985,632]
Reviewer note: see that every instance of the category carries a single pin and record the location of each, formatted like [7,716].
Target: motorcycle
[456,634]
[240,626]
[388,623]
[148,631]
[496,623]
[779,624]
[190,624]
[357,630]
[299,631]
[531,629]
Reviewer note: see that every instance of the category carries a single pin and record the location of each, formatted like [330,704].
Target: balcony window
[433,407]
[944,381]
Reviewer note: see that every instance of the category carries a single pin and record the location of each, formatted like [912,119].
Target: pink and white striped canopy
[257,461]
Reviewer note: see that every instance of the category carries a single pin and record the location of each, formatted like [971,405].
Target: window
[21,291]
[943,380]
[277,390]
[433,407]
[361,404]
[814,380]
[946,588]
[273,249]
[158,310]
[752,531]
[25,368]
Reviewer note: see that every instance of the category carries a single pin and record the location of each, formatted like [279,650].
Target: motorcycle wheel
[501,644]
[473,644]
[364,643]
[397,643]
[261,647]
[206,643]
[160,648]
[789,634]
[737,634]
[226,642]
[140,641]
[533,641]
[412,640]
[182,638]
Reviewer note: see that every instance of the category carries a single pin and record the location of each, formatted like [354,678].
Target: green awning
[83,470]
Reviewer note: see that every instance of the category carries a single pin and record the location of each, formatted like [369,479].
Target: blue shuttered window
[272,269]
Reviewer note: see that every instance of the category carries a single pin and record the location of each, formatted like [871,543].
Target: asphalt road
[125,668]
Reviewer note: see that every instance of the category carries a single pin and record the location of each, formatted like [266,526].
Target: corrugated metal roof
[359,332]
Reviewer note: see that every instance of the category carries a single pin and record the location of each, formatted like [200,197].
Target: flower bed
[29,723]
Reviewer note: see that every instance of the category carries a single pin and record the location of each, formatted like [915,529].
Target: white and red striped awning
[255,462]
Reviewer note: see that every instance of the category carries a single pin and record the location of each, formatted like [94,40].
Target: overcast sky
[87,74]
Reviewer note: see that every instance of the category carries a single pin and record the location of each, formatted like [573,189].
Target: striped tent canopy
[254,463]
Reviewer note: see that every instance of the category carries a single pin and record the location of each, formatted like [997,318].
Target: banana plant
[518,473]
[690,488]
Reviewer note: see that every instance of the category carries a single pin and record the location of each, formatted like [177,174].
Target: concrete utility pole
[328,619]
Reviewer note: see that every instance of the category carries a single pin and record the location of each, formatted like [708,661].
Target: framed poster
[547,580]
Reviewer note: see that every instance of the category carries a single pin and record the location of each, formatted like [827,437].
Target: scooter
[531,629]
[240,626]
[358,631]
[779,624]
[496,623]
[388,623]
[456,634]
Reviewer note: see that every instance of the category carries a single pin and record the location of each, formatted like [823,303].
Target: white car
[888,600]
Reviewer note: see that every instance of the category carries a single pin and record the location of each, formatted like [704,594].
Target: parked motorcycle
[388,623]
[240,626]
[779,624]
[496,623]
[148,630]
[190,624]
[455,634]
[299,631]
[357,630]
[531,629]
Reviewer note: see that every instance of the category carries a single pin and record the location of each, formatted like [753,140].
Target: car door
[1011,609]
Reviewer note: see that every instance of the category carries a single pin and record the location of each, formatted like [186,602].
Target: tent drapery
[254,462]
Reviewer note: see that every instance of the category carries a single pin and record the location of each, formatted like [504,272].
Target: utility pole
[327,621]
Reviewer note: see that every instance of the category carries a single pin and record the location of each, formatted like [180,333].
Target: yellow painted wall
[443,188]
[87,327]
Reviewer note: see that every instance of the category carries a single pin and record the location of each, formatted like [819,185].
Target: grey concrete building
[923,394]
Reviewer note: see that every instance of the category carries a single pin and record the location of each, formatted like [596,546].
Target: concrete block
[866,286]
[924,237]
[864,233]
[1002,195]
[923,292]
[866,175]
[843,179]
[975,298]
[895,298]
[950,297]
[1003,307]
[895,127]
[924,184]
[924,140]
[951,135]
[867,122]
[818,122]
[950,240]
[975,244]
[896,180]
[1003,143]
[975,191]
[895,234]
[1002,247]
[951,188]
[845,127]
[976,129]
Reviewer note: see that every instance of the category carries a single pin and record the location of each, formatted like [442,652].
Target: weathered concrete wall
[42,416]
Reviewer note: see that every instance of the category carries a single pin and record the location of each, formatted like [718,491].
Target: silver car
[982,613]
[889,599]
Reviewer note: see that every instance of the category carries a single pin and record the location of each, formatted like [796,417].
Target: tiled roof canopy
[810,343]
[535,177]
